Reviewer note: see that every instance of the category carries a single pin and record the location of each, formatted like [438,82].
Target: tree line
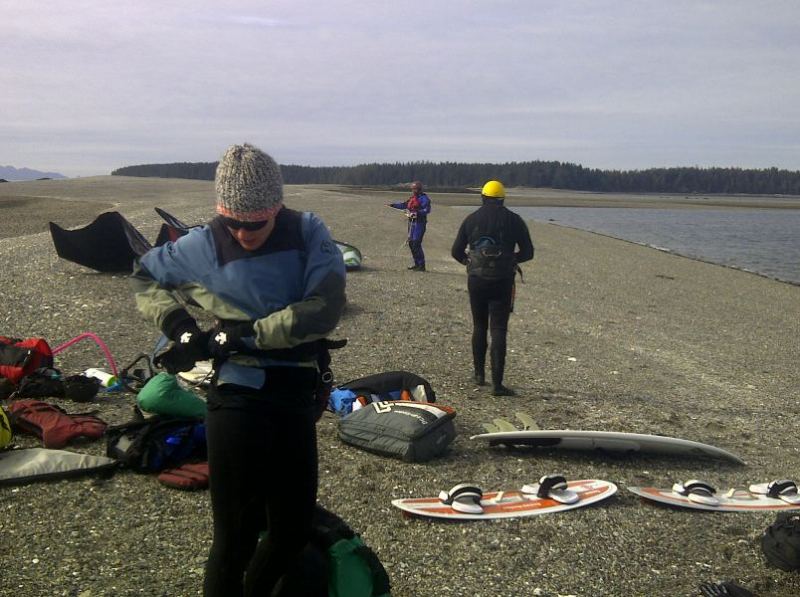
[557,175]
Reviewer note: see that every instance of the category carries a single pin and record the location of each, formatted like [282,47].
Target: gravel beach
[606,335]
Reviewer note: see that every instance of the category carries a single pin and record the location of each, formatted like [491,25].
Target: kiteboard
[780,494]
[468,502]
[501,432]
[199,375]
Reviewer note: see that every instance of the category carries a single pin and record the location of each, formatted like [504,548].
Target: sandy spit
[607,335]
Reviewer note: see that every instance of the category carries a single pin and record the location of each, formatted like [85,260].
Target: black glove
[174,360]
[225,340]
[190,343]
[724,589]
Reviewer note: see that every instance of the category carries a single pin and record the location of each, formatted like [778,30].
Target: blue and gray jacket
[292,288]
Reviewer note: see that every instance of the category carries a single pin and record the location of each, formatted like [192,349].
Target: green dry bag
[336,562]
[163,395]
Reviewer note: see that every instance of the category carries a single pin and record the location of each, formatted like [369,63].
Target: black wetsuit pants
[491,303]
[262,453]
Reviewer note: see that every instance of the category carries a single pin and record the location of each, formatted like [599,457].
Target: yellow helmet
[494,189]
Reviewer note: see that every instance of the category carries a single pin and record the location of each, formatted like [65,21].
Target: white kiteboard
[776,495]
[200,374]
[605,440]
[477,505]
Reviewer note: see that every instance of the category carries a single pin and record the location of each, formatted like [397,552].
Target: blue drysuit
[260,424]
[417,207]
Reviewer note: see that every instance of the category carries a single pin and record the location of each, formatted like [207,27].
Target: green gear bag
[355,571]
[338,555]
[163,395]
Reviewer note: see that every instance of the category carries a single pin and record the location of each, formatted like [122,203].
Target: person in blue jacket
[417,207]
[274,283]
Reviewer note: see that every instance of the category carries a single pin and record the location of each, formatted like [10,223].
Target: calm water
[765,241]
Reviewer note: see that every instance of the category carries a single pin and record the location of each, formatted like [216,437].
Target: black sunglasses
[250,226]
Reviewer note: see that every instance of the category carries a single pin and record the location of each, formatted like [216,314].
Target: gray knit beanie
[249,184]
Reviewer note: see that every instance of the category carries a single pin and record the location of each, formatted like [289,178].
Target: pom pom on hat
[248,184]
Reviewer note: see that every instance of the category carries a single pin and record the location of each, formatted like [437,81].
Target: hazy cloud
[255,21]
[90,86]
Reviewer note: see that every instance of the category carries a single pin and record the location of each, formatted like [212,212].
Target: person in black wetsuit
[275,283]
[487,243]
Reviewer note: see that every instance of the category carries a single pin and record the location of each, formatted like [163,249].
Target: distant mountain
[10,173]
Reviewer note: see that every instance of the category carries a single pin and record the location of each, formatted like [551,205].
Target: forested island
[557,175]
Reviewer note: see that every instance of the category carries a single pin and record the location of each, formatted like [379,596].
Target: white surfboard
[510,504]
[606,440]
[729,500]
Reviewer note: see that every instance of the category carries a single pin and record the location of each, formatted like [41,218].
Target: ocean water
[763,241]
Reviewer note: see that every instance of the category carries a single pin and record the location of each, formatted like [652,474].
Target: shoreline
[83,211]
[546,197]
[606,335]
[677,254]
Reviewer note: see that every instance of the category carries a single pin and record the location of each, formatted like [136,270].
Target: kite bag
[413,431]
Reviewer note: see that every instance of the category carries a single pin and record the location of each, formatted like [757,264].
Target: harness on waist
[489,258]
[317,351]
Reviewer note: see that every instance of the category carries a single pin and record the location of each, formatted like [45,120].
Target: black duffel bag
[781,542]
[413,431]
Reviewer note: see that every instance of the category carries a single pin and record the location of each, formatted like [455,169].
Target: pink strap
[98,341]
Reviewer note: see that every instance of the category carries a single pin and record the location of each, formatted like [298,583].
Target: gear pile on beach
[113,461]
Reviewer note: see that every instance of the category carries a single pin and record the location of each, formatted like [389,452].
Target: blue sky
[90,85]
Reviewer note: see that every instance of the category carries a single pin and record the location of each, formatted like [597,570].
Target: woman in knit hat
[274,281]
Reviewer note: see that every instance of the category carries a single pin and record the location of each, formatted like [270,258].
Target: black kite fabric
[111,243]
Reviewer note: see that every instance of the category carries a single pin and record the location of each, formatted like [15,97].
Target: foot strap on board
[779,489]
[464,498]
[697,491]
[552,487]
